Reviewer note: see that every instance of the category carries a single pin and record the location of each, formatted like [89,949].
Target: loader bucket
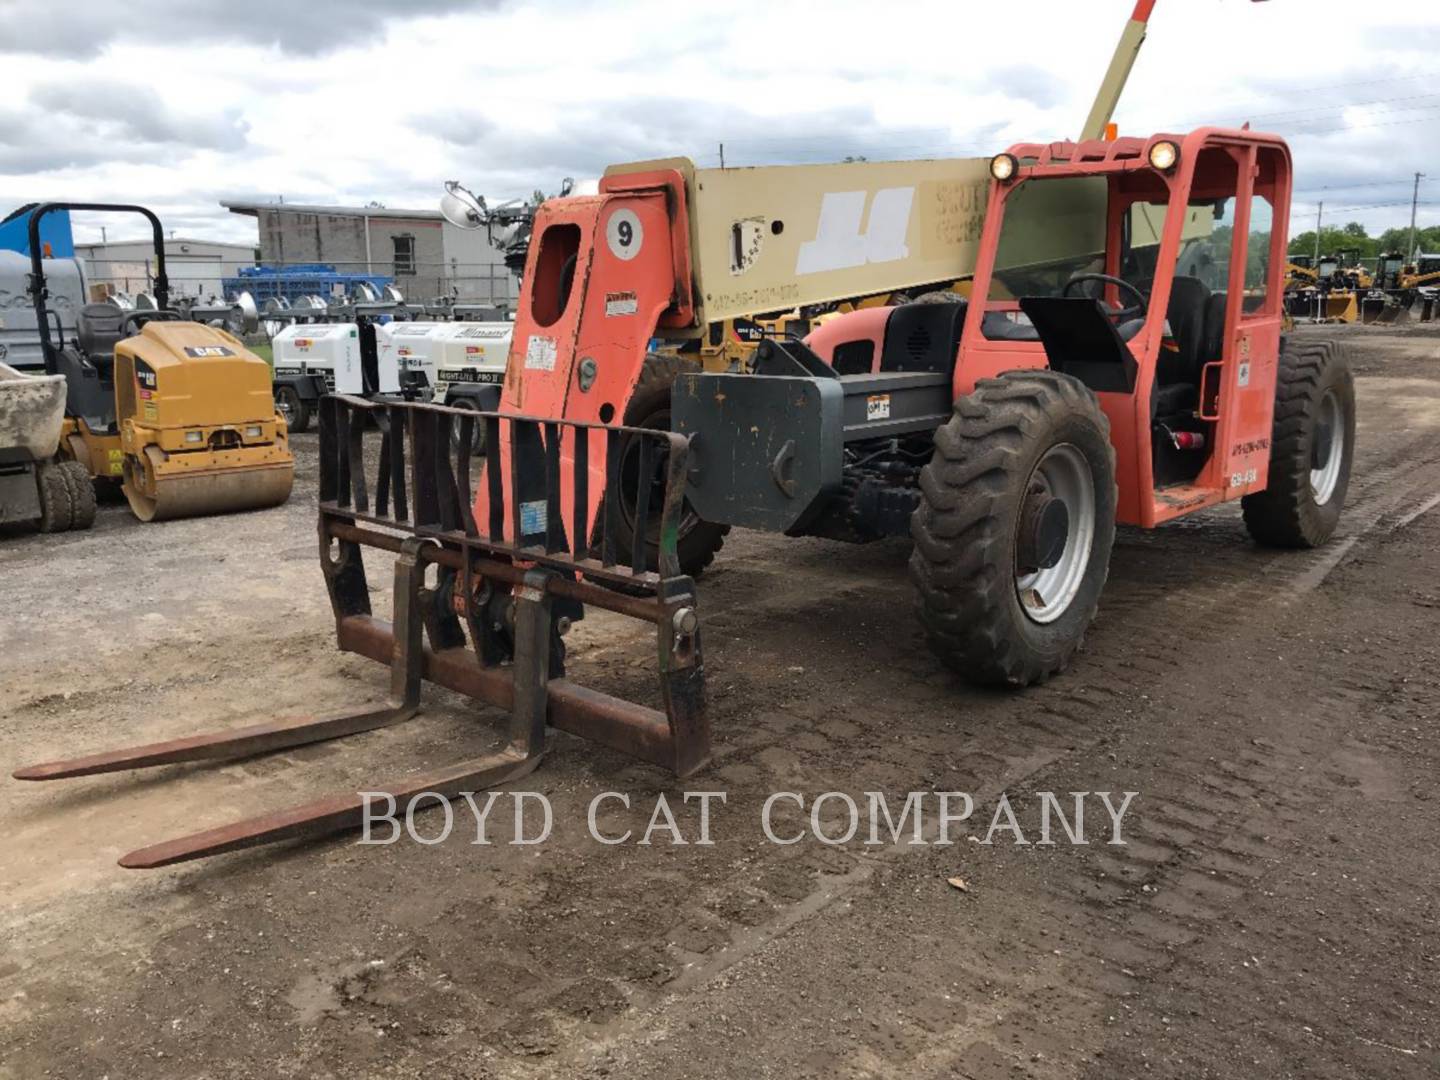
[1340,307]
[392,479]
[1394,313]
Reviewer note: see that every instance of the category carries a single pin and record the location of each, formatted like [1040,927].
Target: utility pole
[1414,202]
[1319,210]
[722,155]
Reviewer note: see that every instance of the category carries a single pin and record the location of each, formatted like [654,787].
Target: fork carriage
[513,572]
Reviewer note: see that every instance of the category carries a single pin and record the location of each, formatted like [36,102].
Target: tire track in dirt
[1192,856]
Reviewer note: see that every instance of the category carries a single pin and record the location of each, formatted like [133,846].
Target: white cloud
[355,101]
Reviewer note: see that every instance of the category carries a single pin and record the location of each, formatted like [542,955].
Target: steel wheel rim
[1325,475]
[1065,474]
[285,408]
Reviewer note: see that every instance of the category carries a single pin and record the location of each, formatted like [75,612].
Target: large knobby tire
[82,494]
[1314,422]
[293,409]
[649,407]
[55,508]
[1010,448]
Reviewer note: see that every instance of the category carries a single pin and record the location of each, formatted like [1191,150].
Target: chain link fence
[419,282]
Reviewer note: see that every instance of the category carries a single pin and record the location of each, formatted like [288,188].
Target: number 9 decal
[623,234]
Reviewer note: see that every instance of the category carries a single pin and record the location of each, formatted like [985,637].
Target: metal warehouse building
[427,256]
[195,267]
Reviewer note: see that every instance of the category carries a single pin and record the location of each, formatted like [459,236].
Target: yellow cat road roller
[179,412]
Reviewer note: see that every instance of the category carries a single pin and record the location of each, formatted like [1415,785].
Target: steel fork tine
[335,814]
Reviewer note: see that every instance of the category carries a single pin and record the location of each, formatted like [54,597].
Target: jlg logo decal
[840,244]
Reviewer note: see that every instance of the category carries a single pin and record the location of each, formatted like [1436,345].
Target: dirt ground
[1273,914]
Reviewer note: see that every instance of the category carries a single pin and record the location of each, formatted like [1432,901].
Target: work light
[1164,155]
[1003,166]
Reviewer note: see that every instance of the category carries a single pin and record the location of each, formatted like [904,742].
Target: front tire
[649,407]
[1007,581]
[1311,448]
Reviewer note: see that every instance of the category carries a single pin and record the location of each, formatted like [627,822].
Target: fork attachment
[496,615]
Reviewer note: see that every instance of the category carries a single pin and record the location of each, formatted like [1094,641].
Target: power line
[1362,184]
[1346,105]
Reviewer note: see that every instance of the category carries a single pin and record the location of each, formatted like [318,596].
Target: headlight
[194,436]
[1164,155]
[253,431]
[1003,166]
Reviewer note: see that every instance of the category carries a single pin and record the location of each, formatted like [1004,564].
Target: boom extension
[1118,73]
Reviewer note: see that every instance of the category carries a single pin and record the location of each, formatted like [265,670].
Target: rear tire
[82,494]
[1018,441]
[293,409]
[55,508]
[649,407]
[1314,420]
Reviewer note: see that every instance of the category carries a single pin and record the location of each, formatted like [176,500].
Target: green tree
[1398,239]
[1347,238]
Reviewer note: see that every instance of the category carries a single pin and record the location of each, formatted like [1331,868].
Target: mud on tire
[82,494]
[55,508]
[985,467]
[1314,417]
[649,407]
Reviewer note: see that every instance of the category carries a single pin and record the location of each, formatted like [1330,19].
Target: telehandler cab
[1086,383]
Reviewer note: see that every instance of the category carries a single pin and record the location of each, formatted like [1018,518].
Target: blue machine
[55,236]
[293,282]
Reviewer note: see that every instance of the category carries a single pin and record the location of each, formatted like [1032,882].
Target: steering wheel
[1120,315]
[140,318]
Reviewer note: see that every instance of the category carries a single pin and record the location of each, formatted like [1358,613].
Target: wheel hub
[1055,533]
[1044,528]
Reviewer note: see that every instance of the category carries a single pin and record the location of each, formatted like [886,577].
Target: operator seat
[98,332]
[88,364]
[1190,313]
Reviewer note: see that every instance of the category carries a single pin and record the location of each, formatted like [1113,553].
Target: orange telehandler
[1087,382]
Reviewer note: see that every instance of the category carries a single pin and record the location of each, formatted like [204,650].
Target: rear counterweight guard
[519,671]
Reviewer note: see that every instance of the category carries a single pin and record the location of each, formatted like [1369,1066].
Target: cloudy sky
[178,105]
